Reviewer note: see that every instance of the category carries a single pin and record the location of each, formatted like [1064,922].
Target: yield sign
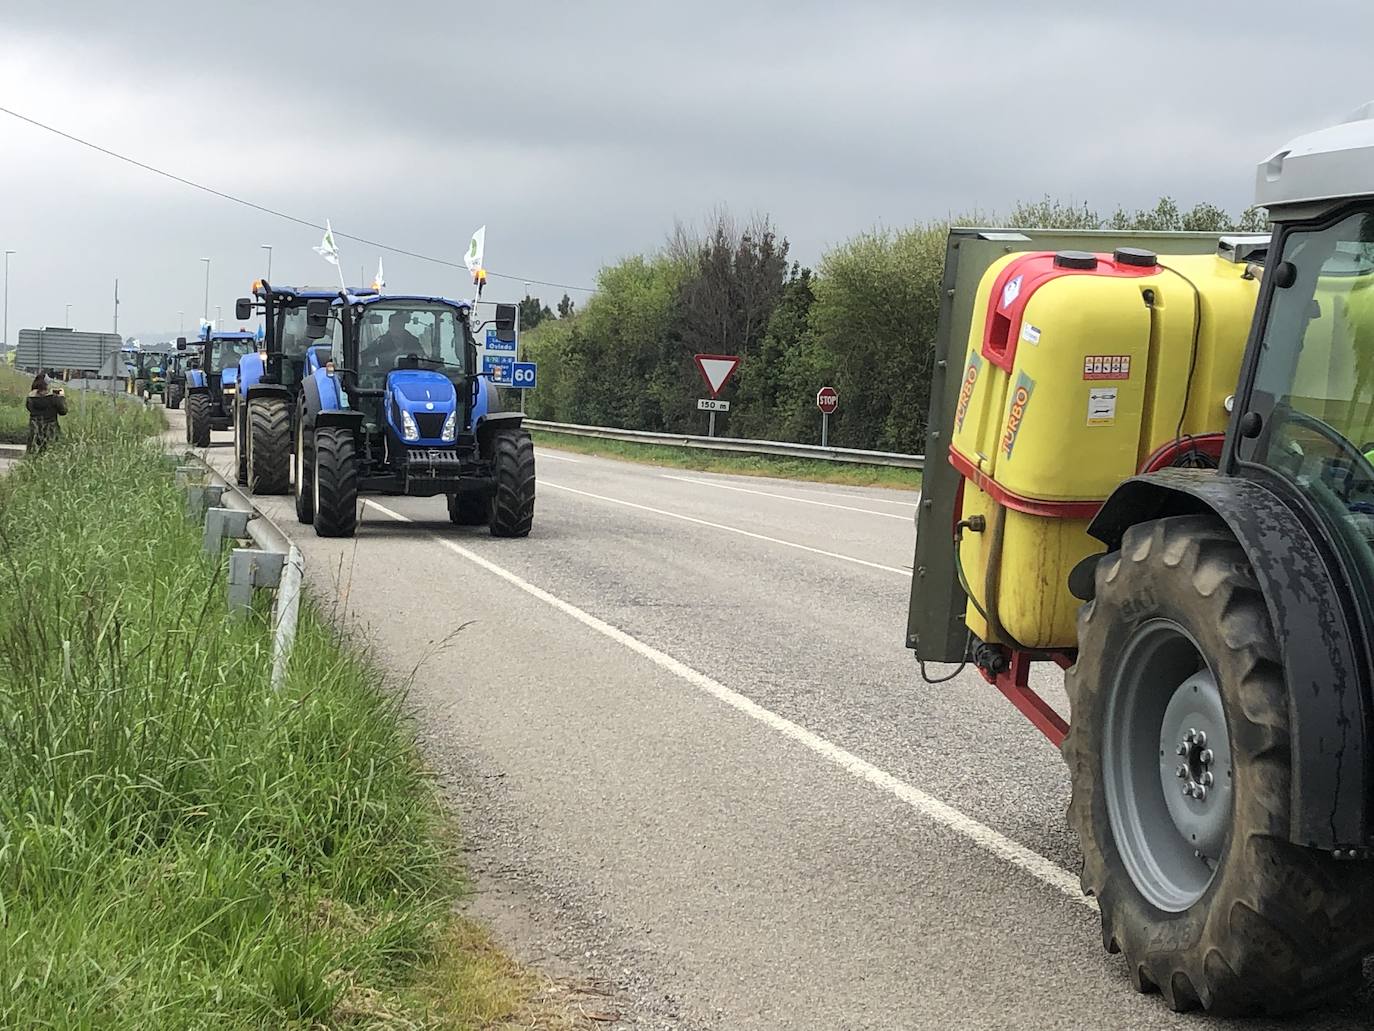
[716,370]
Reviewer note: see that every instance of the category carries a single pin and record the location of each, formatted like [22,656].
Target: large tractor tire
[512,502]
[335,476]
[240,451]
[469,509]
[172,397]
[303,481]
[269,446]
[198,420]
[1179,752]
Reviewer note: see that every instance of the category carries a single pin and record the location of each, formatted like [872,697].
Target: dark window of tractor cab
[1314,382]
[388,332]
[226,353]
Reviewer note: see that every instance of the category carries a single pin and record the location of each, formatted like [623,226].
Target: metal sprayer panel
[65,349]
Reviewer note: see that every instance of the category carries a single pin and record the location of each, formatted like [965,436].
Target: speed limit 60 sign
[827,400]
[522,375]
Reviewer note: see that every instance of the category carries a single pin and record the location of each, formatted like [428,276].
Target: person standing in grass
[45,406]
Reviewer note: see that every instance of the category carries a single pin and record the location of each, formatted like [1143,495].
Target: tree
[565,307]
[532,313]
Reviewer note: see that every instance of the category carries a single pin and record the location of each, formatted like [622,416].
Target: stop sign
[827,400]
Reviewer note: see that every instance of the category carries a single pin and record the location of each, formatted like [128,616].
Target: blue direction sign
[499,366]
[493,345]
[523,375]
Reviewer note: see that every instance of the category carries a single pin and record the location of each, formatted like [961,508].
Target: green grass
[179,845]
[93,417]
[741,465]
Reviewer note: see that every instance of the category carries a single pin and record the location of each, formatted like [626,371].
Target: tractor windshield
[388,332]
[226,353]
[293,337]
[1314,382]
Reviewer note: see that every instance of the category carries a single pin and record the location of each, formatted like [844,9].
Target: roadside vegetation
[180,846]
[92,417]
[863,321]
[705,461]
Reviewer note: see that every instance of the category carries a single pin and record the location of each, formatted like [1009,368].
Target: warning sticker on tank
[975,365]
[1030,334]
[1101,406]
[1107,366]
[1016,411]
[1011,291]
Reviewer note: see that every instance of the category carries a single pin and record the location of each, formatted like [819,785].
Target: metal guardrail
[275,562]
[736,445]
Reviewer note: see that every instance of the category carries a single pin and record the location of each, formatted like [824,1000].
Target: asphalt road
[694,759]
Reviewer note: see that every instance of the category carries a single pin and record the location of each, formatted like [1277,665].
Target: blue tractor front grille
[431,424]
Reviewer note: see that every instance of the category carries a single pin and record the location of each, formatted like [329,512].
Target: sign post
[827,400]
[716,370]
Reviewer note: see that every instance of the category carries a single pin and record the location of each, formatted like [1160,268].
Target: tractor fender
[1310,602]
[250,371]
[320,392]
[260,391]
[195,380]
[489,425]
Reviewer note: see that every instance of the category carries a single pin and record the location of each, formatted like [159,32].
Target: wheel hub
[1166,766]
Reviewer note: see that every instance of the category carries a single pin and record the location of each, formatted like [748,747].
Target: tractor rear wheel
[303,482]
[240,450]
[1179,753]
[269,446]
[512,502]
[172,397]
[469,509]
[335,476]
[198,420]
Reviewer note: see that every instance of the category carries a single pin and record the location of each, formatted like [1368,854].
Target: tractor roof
[385,299]
[310,293]
[1319,170]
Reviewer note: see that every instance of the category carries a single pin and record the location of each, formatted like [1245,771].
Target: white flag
[380,281]
[473,258]
[326,249]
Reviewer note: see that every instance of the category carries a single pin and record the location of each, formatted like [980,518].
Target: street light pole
[6,341]
[205,313]
[181,322]
[219,314]
[67,319]
[268,248]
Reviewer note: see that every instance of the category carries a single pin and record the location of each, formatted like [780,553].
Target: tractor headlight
[450,427]
[408,428]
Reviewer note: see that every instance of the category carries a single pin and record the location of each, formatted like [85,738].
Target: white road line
[785,497]
[860,497]
[929,806]
[541,453]
[730,529]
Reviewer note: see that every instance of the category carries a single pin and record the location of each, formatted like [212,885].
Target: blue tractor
[210,388]
[396,405]
[269,380]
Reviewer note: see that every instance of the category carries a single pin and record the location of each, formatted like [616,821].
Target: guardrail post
[188,474]
[221,523]
[202,496]
[249,569]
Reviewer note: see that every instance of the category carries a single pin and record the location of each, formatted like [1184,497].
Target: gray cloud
[579,132]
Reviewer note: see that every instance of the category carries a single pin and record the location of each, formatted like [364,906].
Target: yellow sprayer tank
[1081,370]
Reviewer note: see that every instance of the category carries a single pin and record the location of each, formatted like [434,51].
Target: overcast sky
[578,132]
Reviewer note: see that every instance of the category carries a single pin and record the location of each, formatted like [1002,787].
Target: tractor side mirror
[316,319]
[505,322]
[181,343]
[243,309]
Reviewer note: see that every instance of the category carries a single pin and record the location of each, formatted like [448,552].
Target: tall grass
[94,416]
[179,845]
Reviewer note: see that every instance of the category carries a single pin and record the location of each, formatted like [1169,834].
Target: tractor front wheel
[335,476]
[1179,754]
[303,482]
[269,446]
[512,502]
[198,420]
